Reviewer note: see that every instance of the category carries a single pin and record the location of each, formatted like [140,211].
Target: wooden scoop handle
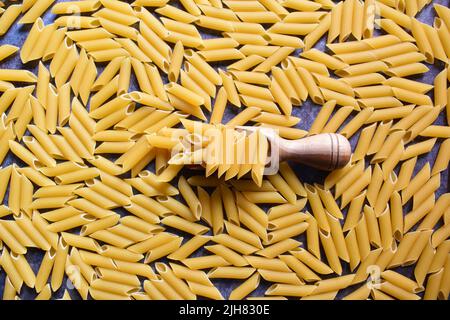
[325,151]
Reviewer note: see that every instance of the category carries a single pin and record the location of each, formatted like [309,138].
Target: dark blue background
[307,112]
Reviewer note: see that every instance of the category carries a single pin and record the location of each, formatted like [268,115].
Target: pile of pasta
[90,185]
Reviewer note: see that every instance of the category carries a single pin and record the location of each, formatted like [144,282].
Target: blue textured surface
[307,112]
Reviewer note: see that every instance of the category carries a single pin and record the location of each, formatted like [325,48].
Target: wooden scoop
[325,151]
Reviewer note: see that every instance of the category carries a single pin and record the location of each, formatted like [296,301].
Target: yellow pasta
[104,184]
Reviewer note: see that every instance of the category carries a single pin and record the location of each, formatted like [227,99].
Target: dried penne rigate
[98,147]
